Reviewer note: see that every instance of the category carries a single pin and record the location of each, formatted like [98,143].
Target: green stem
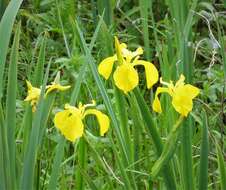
[186,154]
[168,150]
[82,163]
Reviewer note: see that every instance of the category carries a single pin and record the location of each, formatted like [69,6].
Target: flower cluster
[126,78]
[69,121]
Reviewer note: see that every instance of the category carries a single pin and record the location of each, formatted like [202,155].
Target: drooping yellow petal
[192,90]
[56,86]
[70,124]
[151,72]
[126,77]
[156,105]
[102,119]
[182,98]
[106,66]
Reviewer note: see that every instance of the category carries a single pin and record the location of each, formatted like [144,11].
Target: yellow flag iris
[182,95]
[69,121]
[125,76]
[33,93]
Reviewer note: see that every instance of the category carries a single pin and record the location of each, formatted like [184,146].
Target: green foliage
[142,149]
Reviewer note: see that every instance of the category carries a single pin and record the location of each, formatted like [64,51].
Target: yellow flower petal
[129,55]
[180,82]
[70,124]
[156,105]
[182,98]
[56,86]
[151,72]
[182,105]
[33,92]
[192,90]
[126,77]
[102,119]
[106,66]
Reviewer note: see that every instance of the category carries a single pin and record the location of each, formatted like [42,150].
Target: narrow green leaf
[31,152]
[3,153]
[106,7]
[6,26]
[151,128]
[123,119]
[60,147]
[104,94]
[186,154]
[221,166]
[82,159]
[39,69]
[144,6]
[168,150]
[203,172]
[10,121]
[57,163]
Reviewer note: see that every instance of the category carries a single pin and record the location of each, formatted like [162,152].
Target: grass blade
[144,5]
[203,172]
[222,167]
[39,69]
[6,26]
[31,153]
[10,121]
[151,127]
[187,155]
[82,159]
[103,93]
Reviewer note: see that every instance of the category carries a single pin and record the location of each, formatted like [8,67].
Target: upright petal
[106,66]
[139,51]
[29,86]
[151,72]
[180,82]
[102,119]
[70,124]
[126,77]
[118,48]
[33,92]
[156,105]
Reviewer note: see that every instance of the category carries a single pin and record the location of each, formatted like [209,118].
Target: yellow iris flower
[182,95]
[69,121]
[34,93]
[125,76]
